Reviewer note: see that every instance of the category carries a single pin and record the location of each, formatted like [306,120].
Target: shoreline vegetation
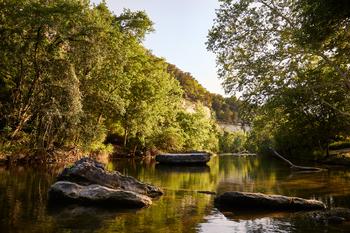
[75,79]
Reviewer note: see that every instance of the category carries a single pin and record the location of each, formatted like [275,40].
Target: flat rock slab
[65,191]
[186,158]
[87,171]
[259,201]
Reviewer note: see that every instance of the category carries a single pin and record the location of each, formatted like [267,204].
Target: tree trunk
[125,137]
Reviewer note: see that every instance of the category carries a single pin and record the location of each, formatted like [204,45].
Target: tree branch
[293,166]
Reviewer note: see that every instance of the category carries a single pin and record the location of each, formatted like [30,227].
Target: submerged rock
[87,171]
[331,216]
[96,195]
[186,158]
[259,201]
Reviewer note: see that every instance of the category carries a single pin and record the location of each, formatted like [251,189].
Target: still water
[23,198]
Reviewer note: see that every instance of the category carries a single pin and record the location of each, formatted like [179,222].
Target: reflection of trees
[249,174]
[23,195]
[23,199]
[171,178]
[180,209]
[169,214]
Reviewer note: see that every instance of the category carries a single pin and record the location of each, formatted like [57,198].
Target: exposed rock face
[243,200]
[96,194]
[187,158]
[87,171]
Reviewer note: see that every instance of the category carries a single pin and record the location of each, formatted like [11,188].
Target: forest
[76,76]
[289,62]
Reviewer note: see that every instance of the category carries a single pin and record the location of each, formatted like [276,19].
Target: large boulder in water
[87,171]
[97,195]
[259,201]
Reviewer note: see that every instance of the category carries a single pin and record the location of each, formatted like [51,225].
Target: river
[23,198]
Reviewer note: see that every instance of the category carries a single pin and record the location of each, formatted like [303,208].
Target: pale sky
[181,28]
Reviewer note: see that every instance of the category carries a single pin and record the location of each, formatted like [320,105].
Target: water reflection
[217,222]
[181,169]
[23,198]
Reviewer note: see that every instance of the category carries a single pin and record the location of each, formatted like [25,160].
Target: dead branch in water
[293,166]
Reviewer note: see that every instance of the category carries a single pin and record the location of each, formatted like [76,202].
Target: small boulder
[65,191]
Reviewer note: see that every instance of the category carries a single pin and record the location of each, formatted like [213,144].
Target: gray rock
[186,158]
[87,171]
[96,195]
[259,201]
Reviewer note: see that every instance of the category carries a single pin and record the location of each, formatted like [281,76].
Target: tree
[153,98]
[262,53]
[199,131]
[39,74]
[71,73]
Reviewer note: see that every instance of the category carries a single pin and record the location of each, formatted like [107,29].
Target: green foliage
[193,90]
[321,20]
[293,83]
[153,99]
[226,109]
[72,73]
[199,131]
[137,24]
[233,142]
[170,139]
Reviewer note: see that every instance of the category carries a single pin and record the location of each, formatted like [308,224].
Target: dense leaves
[224,108]
[72,73]
[289,62]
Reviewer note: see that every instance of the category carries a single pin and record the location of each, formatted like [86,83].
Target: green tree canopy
[264,53]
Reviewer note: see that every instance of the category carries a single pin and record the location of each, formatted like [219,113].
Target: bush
[232,142]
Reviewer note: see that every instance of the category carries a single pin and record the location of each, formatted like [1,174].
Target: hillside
[225,109]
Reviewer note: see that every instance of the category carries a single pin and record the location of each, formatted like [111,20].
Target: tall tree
[262,55]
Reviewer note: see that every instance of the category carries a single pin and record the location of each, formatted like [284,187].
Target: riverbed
[183,207]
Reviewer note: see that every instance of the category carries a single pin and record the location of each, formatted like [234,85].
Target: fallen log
[259,201]
[296,167]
